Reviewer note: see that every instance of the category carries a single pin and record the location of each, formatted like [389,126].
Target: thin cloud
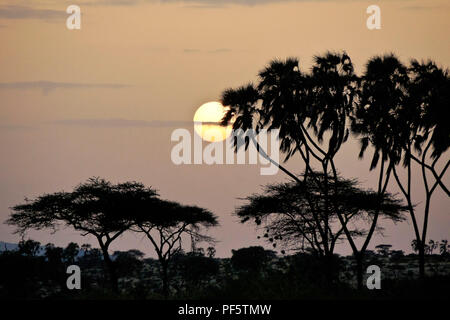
[220,50]
[424,8]
[113,2]
[24,12]
[48,86]
[127,123]
[199,4]
[191,50]
[14,127]
[119,122]
[223,3]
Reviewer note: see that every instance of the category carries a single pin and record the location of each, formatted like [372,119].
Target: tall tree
[401,115]
[425,137]
[382,90]
[96,207]
[166,225]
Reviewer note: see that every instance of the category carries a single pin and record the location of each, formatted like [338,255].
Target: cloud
[127,123]
[47,86]
[424,8]
[113,2]
[220,50]
[14,127]
[22,12]
[119,122]
[220,3]
[191,50]
[196,3]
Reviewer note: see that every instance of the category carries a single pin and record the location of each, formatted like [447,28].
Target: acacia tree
[167,224]
[286,215]
[96,207]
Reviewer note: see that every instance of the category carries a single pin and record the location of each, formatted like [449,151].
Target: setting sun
[204,122]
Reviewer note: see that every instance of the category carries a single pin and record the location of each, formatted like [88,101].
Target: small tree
[194,269]
[166,225]
[70,252]
[432,245]
[384,249]
[251,259]
[211,252]
[29,247]
[128,263]
[443,247]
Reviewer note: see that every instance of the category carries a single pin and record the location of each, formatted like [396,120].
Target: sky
[105,99]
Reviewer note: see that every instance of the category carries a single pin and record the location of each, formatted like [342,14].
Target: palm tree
[406,124]
[382,92]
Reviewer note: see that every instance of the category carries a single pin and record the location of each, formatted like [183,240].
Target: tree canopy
[293,212]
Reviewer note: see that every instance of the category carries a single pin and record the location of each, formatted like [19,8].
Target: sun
[204,122]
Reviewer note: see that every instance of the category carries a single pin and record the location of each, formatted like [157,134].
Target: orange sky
[155,60]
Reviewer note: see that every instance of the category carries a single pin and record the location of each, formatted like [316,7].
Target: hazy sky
[104,100]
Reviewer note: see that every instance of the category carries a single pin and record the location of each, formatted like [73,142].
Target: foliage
[292,213]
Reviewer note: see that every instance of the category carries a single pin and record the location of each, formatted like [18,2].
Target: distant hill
[8,246]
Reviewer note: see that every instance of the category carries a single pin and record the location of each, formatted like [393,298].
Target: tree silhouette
[166,225]
[70,252]
[286,215]
[251,259]
[128,263]
[443,247]
[97,207]
[311,112]
[400,115]
[29,247]
[382,89]
[211,252]
[424,129]
[384,249]
[194,269]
